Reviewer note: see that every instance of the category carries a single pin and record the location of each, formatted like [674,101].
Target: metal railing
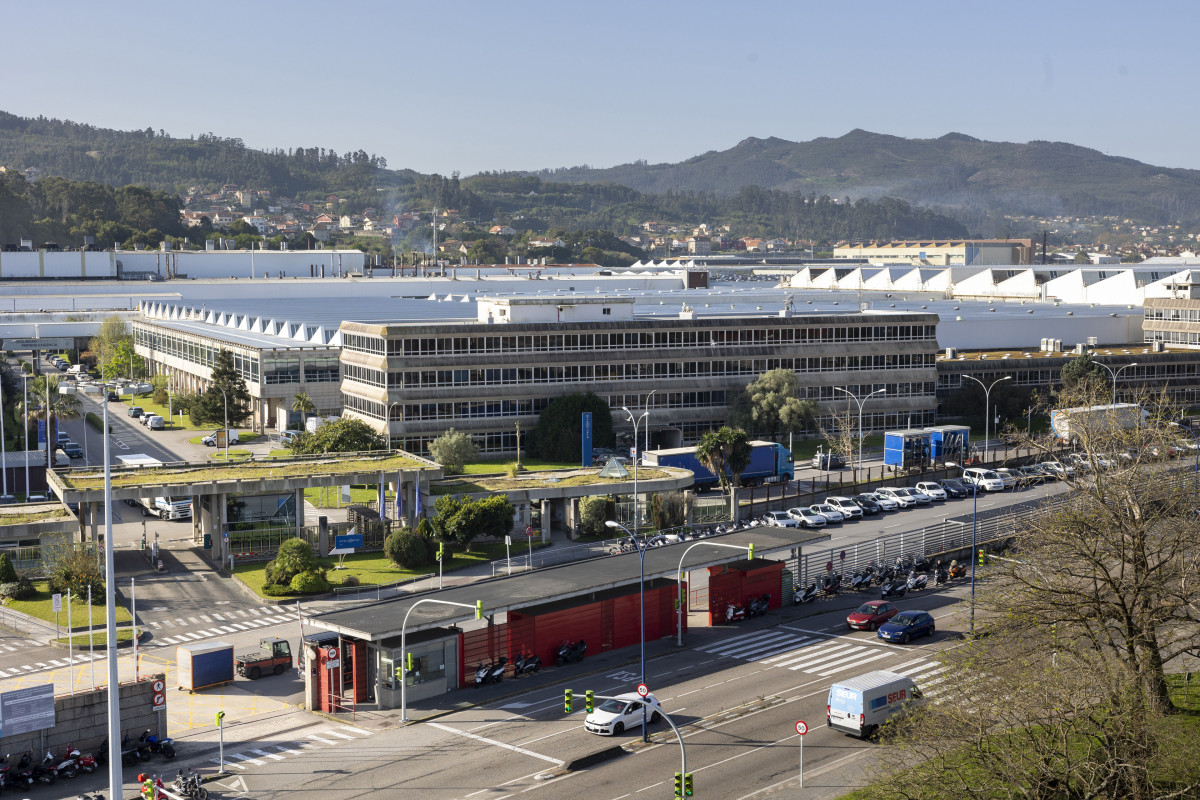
[380,590]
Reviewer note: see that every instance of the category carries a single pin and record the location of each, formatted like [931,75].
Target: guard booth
[739,582]
[337,673]
[949,443]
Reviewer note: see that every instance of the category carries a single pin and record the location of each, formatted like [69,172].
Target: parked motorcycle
[47,771]
[758,606]
[189,786]
[916,581]
[920,563]
[940,574]
[807,594]
[570,652]
[831,584]
[526,664]
[885,575]
[734,613]
[957,570]
[67,766]
[163,747]
[896,587]
[15,776]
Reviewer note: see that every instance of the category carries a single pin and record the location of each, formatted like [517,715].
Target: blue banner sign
[586,454]
[348,541]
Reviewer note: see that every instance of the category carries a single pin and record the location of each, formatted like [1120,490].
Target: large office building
[485,375]
[943,253]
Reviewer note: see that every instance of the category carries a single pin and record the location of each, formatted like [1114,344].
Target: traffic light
[750,551]
[982,557]
[408,662]
[568,701]
[687,784]
[679,784]
[478,609]
[589,701]
[441,550]
[220,716]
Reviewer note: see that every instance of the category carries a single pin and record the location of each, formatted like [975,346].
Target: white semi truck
[1096,420]
[161,507]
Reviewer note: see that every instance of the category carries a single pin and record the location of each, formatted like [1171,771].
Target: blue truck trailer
[204,664]
[904,450]
[769,463]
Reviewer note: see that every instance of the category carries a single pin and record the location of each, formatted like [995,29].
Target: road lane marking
[504,745]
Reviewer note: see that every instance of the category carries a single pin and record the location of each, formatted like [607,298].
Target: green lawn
[234,455]
[172,422]
[97,637]
[375,569]
[494,465]
[360,494]
[40,606]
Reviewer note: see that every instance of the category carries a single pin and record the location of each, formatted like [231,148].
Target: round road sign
[801,727]
[829,566]
[332,653]
[158,686]
[159,699]
[643,690]
[842,555]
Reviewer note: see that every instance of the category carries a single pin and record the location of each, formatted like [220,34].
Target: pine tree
[211,408]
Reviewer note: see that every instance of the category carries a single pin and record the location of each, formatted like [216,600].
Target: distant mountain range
[955,174]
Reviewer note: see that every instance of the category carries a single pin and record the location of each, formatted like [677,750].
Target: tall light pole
[25,430]
[679,582]
[860,410]
[636,456]
[641,598]
[974,555]
[115,767]
[987,391]
[1118,371]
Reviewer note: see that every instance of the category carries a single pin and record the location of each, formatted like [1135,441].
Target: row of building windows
[499,376]
[1143,373]
[201,353]
[565,342]
[288,370]
[1174,337]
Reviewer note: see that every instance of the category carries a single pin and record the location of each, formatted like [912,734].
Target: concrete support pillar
[322,535]
[219,544]
[689,498]
[197,522]
[299,511]
[546,521]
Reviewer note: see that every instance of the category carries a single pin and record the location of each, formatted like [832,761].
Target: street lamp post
[636,456]
[641,596]
[987,391]
[477,607]
[1114,374]
[853,397]
[115,768]
[974,555]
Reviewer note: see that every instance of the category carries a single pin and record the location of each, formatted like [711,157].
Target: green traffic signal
[982,557]
[568,701]
[687,784]
[589,701]
[750,551]
[679,784]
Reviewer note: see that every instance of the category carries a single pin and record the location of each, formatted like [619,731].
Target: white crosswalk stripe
[811,653]
[259,755]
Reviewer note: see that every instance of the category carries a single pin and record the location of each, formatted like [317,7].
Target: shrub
[309,582]
[593,512]
[294,556]
[453,449]
[96,421]
[21,589]
[75,569]
[350,580]
[271,590]
[406,549]
[8,573]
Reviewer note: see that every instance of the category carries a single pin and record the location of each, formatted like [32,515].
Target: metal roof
[379,621]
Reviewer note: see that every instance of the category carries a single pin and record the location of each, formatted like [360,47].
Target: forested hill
[155,160]
[956,174]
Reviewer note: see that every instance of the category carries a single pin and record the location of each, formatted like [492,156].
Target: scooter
[527,664]
[734,613]
[916,581]
[47,771]
[132,752]
[68,765]
[885,575]
[806,595]
[570,652]
[920,563]
[893,588]
[957,570]
[940,574]
[22,773]
[495,673]
[758,606]
[831,584]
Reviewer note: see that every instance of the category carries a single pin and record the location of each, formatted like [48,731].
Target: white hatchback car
[934,490]
[612,717]
[848,507]
[807,517]
[900,496]
[827,511]
[780,519]
[885,502]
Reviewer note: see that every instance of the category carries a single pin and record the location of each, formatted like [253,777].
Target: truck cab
[274,655]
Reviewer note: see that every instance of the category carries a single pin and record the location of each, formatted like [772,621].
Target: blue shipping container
[906,449]
[204,664]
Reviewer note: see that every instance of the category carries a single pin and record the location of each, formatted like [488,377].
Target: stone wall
[81,719]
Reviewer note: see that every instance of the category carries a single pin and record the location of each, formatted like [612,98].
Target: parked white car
[934,490]
[987,479]
[780,519]
[900,496]
[1061,470]
[807,517]
[886,503]
[848,507]
[827,511]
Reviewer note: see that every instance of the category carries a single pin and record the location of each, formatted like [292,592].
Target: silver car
[807,518]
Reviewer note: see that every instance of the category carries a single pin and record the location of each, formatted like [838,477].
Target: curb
[142,637]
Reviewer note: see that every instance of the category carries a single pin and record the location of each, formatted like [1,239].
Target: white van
[154,422]
[987,479]
[211,439]
[860,705]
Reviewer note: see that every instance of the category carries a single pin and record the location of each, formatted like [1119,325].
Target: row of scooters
[754,607]
[25,773]
[528,663]
[908,574]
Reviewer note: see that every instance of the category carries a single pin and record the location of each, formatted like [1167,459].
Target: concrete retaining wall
[81,719]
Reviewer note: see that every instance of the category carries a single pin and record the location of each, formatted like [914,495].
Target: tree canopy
[226,394]
[559,432]
[771,403]
[464,519]
[346,435]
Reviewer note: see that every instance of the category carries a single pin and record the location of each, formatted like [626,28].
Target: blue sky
[444,86]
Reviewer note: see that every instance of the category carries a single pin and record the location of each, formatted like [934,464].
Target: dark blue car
[906,626]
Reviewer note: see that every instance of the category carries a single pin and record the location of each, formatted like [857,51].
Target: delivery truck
[769,463]
[1069,424]
[203,665]
[159,506]
[858,706]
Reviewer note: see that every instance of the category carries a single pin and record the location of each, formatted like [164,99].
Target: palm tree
[62,406]
[726,449]
[304,405]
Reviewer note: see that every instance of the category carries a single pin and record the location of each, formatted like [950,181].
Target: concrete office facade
[416,380]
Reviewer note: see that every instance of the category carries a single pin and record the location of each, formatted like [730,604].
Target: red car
[870,616]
